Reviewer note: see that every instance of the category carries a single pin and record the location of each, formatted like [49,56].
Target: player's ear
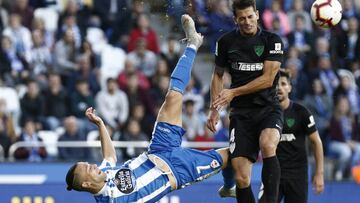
[234,18]
[257,14]
[290,87]
[86,184]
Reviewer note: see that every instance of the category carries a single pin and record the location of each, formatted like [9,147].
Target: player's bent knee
[242,180]
[173,96]
[268,149]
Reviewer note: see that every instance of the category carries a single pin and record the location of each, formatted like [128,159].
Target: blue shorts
[188,165]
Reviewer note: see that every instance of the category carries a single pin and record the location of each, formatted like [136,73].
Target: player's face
[247,20]
[90,172]
[284,88]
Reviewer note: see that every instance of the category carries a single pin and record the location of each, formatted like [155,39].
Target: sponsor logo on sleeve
[277,49]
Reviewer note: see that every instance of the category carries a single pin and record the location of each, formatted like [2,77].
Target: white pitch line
[11,179]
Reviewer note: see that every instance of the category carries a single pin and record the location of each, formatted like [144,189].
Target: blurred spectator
[30,135]
[112,105]
[222,21]
[32,105]
[342,137]
[298,9]
[348,11]
[48,37]
[56,102]
[72,133]
[23,9]
[320,105]
[81,98]
[170,51]
[4,17]
[144,31]
[326,74]
[176,8]
[355,68]
[160,89]
[193,92]
[19,35]
[65,54]
[321,47]
[133,132]
[13,65]
[300,38]
[39,56]
[79,17]
[129,69]
[7,128]
[115,16]
[136,94]
[348,89]
[276,12]
[198,10]
[299,80]
[84,71]
[284,4]
[276,28]
[162,69]
[87,50]
[191,120]
[70,24]
[143,59]
[146,121]
[348,44]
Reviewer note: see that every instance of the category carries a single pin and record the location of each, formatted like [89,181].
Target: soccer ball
[326,13]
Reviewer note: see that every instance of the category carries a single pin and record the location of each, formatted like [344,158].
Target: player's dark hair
[243,4]
[286,74]
[70,179]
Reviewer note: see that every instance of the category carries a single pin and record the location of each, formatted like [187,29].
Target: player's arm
[107,147]
[215,89]
[266,80]
[318,181]
[221,62]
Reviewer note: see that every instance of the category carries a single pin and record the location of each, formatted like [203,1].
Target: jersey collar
[259,30]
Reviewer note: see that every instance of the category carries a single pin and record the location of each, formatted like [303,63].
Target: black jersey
[291,152]
[244,57]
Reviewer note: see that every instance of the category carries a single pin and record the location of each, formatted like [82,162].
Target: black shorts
[293,190]
[246,126]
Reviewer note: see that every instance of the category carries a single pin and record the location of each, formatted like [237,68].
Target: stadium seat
[50,137]
[49,16]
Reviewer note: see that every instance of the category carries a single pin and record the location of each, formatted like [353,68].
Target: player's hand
[318,183]
[213,119]
[90,114]
[223,99]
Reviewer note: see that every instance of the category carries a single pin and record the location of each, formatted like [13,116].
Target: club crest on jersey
[290,122]
[124,181]
[259,49]
[214,164]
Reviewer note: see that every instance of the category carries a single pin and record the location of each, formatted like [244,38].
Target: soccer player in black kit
[299,124]
[253,57]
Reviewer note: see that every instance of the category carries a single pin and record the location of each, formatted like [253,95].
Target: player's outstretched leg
[229,187]
[170,111]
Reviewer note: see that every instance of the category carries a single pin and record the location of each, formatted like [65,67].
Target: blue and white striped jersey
[137,180]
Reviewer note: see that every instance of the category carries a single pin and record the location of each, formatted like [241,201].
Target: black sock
[271,178]
[244,195]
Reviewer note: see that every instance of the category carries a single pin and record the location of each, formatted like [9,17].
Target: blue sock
[228,176]
[181,75]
